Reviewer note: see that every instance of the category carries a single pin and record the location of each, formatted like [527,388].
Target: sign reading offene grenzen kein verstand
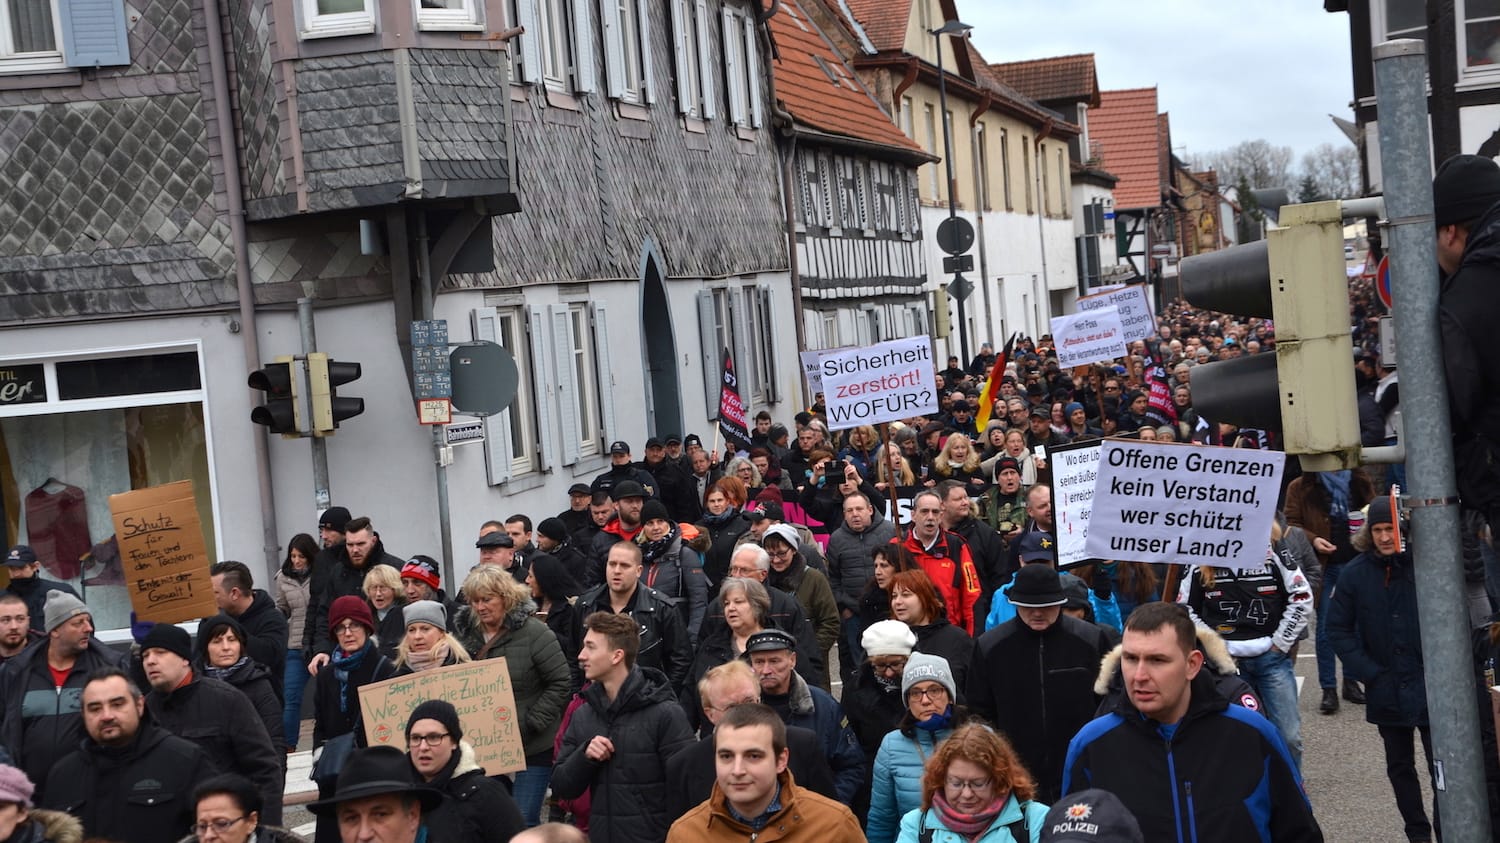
[163,553]
[1184,504]
[481,691]
[885,382]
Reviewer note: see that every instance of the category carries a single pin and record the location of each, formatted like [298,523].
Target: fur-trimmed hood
[57,827]
[468,761]
[1215,657]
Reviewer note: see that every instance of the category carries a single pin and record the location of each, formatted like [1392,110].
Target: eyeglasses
[218,826]
[784,553]
[740,571]
[346,626]
[958,785]
[888,667]
[429,740]
[934,694]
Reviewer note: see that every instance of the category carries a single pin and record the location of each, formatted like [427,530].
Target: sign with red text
[1184,504]
[885,382]
[481,691]
[1088,337]
[163,553]
[1133,305]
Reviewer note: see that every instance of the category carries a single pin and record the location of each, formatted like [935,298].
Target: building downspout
[229,155]
[1041,218]
[981,194]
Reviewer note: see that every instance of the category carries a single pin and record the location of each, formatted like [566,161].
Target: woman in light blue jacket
[896,785]
[975,790]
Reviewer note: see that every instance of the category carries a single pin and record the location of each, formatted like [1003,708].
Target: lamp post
[959,28]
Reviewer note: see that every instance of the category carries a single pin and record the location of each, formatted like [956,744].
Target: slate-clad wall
[260,109]
[459,99]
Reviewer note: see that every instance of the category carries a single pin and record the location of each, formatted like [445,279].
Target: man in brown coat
[755,796]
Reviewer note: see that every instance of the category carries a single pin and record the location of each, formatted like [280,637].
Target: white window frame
[511,445]
[929,122]
[688,50]
[906,118]
[736,83]
[577,376]
[1485,73]
[555,42]
[627,50]
[319,25]
[464,18]
[14,61]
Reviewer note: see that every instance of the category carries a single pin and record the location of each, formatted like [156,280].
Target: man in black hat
[576,517]
[498,548]
[26,582]
[961,418]
[628,497]
[621,468]
[378,797]
[674,486]
[552,537]
[1033,676]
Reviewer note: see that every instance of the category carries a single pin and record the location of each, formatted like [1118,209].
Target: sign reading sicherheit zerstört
[1184,504]
[885,382]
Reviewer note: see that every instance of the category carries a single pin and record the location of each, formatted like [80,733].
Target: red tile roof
[1127,134]
[844,108]
[1051,79]
[884,21]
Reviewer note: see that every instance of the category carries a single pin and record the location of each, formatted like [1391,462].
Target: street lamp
[958,28]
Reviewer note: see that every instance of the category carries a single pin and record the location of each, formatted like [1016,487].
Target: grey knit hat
[429,612]
[922,667]
[60,608]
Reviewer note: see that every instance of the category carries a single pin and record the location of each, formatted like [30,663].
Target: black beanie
[1464,188]
[554,529]
[1380,511]
[440,710]
[654,509]
[169,637]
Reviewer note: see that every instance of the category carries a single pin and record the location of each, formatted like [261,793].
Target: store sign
[163,553]
[22,384]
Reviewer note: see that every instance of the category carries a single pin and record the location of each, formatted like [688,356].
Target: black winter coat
[941,638]
[390,629]
[872,710]
[1373,626]
[786,615]
[1038,688]
[723,537]
[225,725]
[647,727]
[333,577]
[265,637]
[137,794]
[38,740]
[329,721]
[987,549]
[254,681]
[475,807]
[664,639]
[826,502]
[34,590]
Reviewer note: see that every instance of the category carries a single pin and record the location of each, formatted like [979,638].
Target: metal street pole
[322,498]
[950,28]
[1432,491]
[439,445]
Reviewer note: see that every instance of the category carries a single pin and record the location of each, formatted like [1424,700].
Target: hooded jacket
[646,726]
[475,807]
[851,561]
[41,724]
[253,679]
[33,590]
[951,568]
[1216,662]
[723,533]
[896,785]
[678,573]
[539,674]
[293,594]
[1374,627]
[265,634]
[43,826]
[804,816]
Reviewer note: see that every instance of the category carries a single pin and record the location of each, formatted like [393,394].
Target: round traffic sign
[955,235]
[1383,281]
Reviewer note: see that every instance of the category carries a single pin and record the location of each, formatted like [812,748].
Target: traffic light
[328,409]
[282,383]
[1306,390]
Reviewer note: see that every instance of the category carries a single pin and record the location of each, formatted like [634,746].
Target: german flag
[992,386]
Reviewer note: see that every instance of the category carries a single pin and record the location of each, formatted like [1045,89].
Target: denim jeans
[530,789]
[291,713]
[1328,676]
[1274,679]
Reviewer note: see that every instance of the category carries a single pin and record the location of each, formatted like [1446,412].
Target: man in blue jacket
[1189,765]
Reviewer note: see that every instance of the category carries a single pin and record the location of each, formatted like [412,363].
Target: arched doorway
[663,390]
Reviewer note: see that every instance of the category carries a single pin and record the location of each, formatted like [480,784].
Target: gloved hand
[1101,586]
[140,629]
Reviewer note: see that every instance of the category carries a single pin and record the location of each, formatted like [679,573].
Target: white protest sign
[1074,469]
[810,368]
[884,382]
[1184,504]
[1133,305]
[1085,338]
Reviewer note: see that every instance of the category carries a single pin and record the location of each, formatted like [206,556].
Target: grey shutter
[744,364]
[603,375]
[709,343]
[567,389]
[648,73]
[530,44]
[768,337]
[584,75]
[93,32]
[497,453]
[682,32]
[706,76]
[614,48]
[536,330]
[752,70]
[733,73]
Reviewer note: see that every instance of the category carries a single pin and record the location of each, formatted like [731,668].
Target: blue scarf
[722,518]
[1336,484]
[345,664]
[938,722]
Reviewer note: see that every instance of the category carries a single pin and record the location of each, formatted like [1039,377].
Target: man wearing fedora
[378,798]
[1033,676]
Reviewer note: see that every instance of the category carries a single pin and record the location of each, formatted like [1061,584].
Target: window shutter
[643,26]
[752,70]
[584,76]
[603,375]
[768,322]
[681,33]
[733,73]
[531,46]
[536,329]
[497,455]
[93,32]
[706,81]
[744,364]
[709,343]
[567,390]
[614,48]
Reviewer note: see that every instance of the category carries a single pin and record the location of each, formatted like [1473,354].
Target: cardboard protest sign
[1088,337]
[884,382]
[480,691]
[1133,305]
[1184,504]
[1074,470]
[163,553]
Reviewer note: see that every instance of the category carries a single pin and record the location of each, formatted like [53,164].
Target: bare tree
[1258,162]
[1334,169]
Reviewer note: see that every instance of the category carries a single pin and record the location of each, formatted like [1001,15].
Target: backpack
[1018,829]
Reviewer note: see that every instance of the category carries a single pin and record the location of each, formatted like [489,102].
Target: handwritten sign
[1088,337]
[884,382]
[1184,504]
[1074,470]
[480,691]
[163,553]
[1133,305]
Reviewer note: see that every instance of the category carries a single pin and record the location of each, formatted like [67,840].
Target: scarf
[887,684]
[227,674]
[1336,484]
[714,522]
[938,722]
[968,825]
[783,579]
[653,551]
[435,657]
[345,664]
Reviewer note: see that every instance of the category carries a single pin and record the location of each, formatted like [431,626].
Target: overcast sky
[1225,72]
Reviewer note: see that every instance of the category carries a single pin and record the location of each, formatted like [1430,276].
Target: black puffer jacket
[941,638]
[647,727]
[253,678]
[475,807]
[723,535]
[539,674]
[265,636]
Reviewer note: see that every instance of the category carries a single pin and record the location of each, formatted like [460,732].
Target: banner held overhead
[885,382]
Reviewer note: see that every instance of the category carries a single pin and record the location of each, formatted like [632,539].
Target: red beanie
[350,608]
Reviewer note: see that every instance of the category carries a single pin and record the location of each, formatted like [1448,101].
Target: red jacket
[952,571]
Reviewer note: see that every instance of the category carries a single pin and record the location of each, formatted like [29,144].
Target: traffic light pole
[439,445]
[1432,491]
[322,498]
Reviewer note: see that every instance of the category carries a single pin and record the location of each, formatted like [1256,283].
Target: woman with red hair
[915,602]
[975,790]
